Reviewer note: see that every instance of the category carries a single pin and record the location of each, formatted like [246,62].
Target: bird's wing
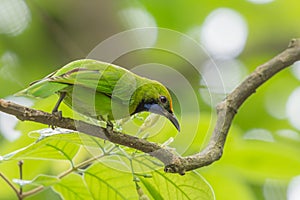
[102,77]
[105,78]
[42,88]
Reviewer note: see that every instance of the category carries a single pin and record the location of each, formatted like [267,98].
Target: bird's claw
[58,115]
[109,128]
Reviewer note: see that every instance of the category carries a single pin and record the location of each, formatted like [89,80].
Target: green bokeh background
[61,31]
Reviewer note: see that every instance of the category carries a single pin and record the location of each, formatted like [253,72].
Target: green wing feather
[42,89]
[99,76]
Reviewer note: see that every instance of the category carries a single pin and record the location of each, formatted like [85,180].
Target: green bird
[103,91]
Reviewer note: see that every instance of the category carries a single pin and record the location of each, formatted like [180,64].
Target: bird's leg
[55,109]
[109,129]
[109,125]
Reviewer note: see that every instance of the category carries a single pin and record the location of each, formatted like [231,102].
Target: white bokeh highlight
[140,18]
[259,134]
[220,78]
[14,17]
[9,122]
[293,191]
[296,69]
[273,190]
[293,108]
[289,134]
[260,1]
[272,101]
[224,33]
[9,66]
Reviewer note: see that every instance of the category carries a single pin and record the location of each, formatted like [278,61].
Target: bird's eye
[163,99]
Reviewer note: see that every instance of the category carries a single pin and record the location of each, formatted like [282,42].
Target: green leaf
[151,189]
[107,183]
[58,146]
[48,132]
[141,162]
[72,187]
[44,180]
[171,186]
[160,185]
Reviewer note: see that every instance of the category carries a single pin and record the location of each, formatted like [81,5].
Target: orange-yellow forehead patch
[171,105]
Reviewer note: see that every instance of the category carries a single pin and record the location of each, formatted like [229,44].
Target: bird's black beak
[157,109]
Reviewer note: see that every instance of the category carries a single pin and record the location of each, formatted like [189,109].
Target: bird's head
[157,99]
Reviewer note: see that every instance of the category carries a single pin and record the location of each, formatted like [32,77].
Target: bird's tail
[42,88]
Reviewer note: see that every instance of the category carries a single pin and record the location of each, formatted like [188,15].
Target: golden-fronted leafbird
[104,91]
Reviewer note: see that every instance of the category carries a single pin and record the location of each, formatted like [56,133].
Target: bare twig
[226,110]
[11,185]
[20,164]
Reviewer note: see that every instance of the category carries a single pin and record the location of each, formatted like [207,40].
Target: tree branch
[226,110]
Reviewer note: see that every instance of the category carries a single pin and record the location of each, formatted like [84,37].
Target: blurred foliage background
[261,158]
